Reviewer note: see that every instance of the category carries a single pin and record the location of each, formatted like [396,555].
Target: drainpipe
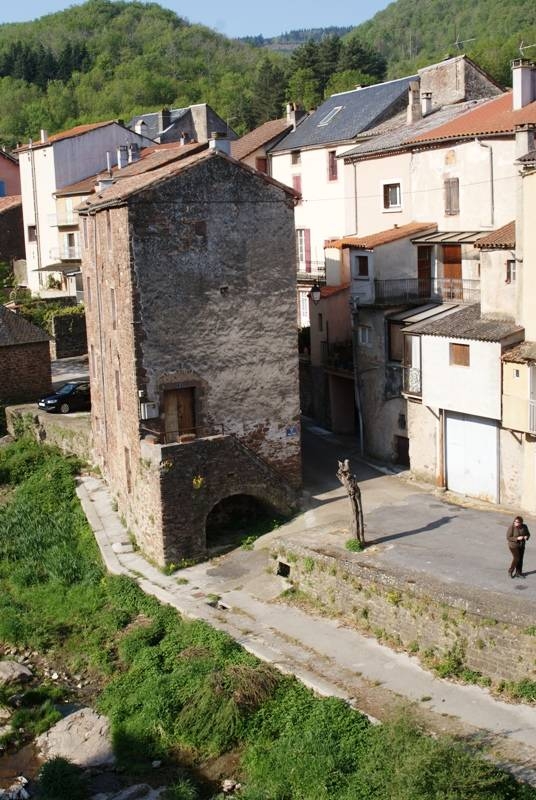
[355,195]
[440,473]
[492,188]
[357,392]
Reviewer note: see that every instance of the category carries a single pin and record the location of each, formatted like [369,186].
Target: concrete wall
[370,178]
[475,389]
[25,372]
[9,174]
[527,285]
[423,440]
[496,295]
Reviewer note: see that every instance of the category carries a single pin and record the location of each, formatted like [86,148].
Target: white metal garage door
[472,456]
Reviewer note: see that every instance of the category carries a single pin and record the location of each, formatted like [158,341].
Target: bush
[354,545]
[59,779]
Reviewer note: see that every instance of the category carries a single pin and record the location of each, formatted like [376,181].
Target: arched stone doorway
[236,518]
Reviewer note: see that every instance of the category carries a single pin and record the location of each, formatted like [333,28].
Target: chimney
[104,183]
[133,153]
[139,127]
[185,137]
[164,119]
[109,162]
[523,80]
[294,115]
[524,138]
[219,143]
[44,136]
[414,105]
[122,156]
[426,103]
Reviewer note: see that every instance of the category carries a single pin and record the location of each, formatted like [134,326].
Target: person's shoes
[519,575]
[512,574]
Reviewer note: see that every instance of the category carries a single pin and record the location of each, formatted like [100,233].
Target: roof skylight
[329,116]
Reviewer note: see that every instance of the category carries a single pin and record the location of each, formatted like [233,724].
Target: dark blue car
[72,396]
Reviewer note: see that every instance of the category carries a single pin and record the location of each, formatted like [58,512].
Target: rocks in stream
[17,790]
[83,737]
[13,672]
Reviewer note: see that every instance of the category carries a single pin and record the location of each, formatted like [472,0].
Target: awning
[449,237]
[60,266]
[421,313]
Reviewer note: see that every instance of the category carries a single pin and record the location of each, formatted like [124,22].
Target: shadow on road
[437,523]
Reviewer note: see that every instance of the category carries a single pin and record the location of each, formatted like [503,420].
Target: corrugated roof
[521,353]
[15,330]
[399,133]
[467,323]
[419,314]
[79,130]
[119,192]
[9,202]
[502,239]
[260,137]
[360,109]
[492,117]
[449,237]
[382,237]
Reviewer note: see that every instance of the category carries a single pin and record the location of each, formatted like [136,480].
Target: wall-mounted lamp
[314,294]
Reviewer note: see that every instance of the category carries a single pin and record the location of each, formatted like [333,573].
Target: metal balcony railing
[402,290]
[311,272]
[412,381]
[337,356]
[72,253]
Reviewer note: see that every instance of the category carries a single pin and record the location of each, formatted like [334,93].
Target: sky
[231,17]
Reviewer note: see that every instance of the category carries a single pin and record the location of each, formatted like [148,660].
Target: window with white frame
[364,335]
[392,197]
[303,249]
[510,271]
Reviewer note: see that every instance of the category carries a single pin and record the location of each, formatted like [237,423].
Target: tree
[303,88]
[267,91]
[349,481]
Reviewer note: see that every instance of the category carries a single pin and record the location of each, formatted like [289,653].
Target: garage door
[472,456]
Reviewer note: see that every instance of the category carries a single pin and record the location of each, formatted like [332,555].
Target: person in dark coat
[516,536]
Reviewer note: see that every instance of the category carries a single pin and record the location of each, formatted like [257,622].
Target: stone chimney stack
[523,82]
[426,103]
[164,119]
[294,115]
[133,153]
[414,103]
[122,156]
[219,142]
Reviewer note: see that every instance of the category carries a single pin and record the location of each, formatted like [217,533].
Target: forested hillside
[412,33]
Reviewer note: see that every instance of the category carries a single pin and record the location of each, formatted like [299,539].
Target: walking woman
[516,536]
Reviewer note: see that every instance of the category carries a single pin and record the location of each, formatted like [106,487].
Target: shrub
[354,545]
[59,779]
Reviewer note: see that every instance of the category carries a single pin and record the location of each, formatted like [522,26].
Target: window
[261,164]
[2,188]
[320,322]
[332,165]
[396,341]
[32,233]
[392,197]
[88,292]
[114,309]
[304,309]
[510,271]
[303,249]
[360,266]
[459,354]
[295,157]
[296,183]
[364,335]
[452,196]
[329,116]
[117,391]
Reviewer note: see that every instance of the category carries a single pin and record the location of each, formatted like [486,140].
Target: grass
[170,685]
[354,545]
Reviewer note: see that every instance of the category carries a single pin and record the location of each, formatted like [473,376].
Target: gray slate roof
[528,158]
[361,109]
[152,121]
[467,323]
[15,330]
[399,132]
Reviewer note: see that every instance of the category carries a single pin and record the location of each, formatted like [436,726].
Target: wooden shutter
[307,244]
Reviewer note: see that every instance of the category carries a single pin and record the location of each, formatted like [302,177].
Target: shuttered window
[459,354]
[452,196]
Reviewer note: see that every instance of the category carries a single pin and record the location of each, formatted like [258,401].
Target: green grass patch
[354,546]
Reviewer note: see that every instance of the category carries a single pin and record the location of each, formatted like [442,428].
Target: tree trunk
[349,481]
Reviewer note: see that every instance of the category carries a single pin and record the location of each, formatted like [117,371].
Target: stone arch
[237,515]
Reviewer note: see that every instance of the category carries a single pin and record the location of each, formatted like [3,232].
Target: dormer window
[329,116]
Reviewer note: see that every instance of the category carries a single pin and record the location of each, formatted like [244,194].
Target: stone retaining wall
[428,619]
[71,433]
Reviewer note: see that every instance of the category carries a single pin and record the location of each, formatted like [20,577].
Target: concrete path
[239,593]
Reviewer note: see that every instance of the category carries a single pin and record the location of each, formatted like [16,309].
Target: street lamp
[314,294]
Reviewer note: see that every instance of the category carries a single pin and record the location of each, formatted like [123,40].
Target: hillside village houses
[192,347]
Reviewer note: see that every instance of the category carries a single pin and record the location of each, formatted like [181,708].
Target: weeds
[354,545]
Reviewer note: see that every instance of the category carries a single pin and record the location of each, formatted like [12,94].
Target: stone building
[189,281]
[24,359]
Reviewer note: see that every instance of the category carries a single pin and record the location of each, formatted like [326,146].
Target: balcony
[72,253]
[64,218]
[438,290]
[337,356]
[312,272]
[412,381]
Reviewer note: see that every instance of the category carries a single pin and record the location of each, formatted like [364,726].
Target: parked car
[72,396]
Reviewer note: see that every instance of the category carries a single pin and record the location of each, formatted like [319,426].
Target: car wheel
[64,408]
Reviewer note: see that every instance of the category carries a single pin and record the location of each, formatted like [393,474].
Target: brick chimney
[414,103]
[523,82]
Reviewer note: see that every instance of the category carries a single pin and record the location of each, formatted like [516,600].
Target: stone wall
[72,434]
[70,338]
[12,234]
[25,372]
[429,620]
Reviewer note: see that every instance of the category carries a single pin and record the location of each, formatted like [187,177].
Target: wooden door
[179,412]
[452,271]
[424,270]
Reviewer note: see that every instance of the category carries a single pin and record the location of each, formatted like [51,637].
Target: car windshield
[67,389]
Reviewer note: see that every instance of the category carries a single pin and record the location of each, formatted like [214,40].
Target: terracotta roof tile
[521,354]
[502,239]
[382,237]
[263,135]
[9,202]
[14,329]
[494,117]
[329,291]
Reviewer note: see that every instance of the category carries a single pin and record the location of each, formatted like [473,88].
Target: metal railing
[184,436]
[337,355]
[532,416]
[313,271]
[412,381]
[401,290]
[66,253]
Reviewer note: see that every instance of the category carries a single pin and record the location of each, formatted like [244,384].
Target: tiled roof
[467,323]
[521,353]
[119,192]
[398,133]
[528,158]
[151,158]
[502,239]
[329,291]
[493,117]
[360,109]
[260,137]
[14,329]
[152,121]
[382,237]
[71,133]
[9,156]
[9,202]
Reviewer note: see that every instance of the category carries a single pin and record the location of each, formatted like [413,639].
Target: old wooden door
[452,271]
[424,270]
[179,412]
